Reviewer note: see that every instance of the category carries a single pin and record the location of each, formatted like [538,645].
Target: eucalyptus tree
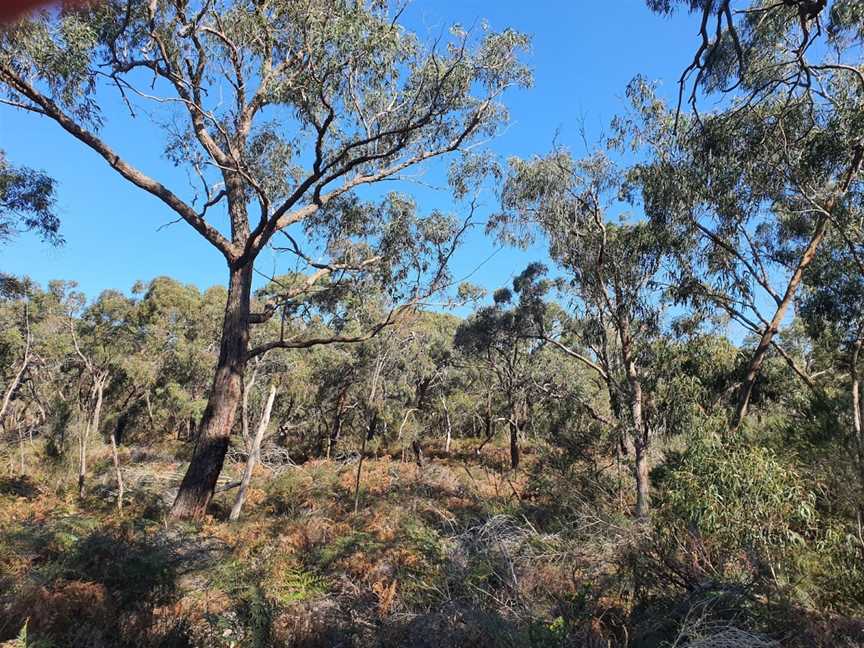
[282,110]
[502,338]
[168,379]
[757,185]
[19,357]
[104,337]
[417,384]
[830,307]
[612,280]
[27,202]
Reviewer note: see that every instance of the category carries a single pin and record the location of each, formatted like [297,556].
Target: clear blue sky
[584,53]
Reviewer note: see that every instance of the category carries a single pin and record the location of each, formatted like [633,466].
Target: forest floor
[447,554]
[459,552]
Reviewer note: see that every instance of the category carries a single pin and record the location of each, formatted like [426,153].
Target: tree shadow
[19,486]
[91,585]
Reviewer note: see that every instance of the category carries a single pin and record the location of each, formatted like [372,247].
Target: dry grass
[459,552]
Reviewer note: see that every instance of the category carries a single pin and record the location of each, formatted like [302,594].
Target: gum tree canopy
[281,109]
[758,183]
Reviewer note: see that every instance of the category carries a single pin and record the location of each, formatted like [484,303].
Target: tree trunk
[116,459]
[198,483]
[488,426]
[640,431]
[770,331]
[21,450]
[366,436]
[418,452]
[244,409]
[89,427]
[857,407]
[16,380]
[643,482]
[254,453]
[792,287]
[338,417]
[514,438]
[449,426]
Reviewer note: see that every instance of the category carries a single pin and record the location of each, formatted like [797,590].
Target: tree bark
[254,454]
[514,438]
[488,426]
[640,431]
[16,380]
[418,452]
[116,459]
[196,489]
[244,409]
[449,426]
[91,426]
[857,407]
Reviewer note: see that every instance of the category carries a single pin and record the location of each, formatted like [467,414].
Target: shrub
[738,498]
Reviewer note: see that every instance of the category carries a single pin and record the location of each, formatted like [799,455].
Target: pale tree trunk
[92,425]
[254,454]
[119,474]
[244,408]
[857,411]
[640,431]
[199,482]
[25,361]
[449,426]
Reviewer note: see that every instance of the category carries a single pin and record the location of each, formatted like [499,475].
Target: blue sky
[583,55]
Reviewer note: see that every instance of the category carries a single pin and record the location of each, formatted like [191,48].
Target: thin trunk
[244,409]
[514,445]
[21,451]
[82,457]
[91,426]
[254,454]
[116,459]
[149,409]
[418,453]
[449,426]
[514,437]
[373,423]
[770,331]
[16,380]
[357,477]
[338,417]
[404,422]
[857,407]
[640,431]
[488,425]
[196,489]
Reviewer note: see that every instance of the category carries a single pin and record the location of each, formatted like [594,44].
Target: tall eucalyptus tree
[611,273]
[758,184]
[282,109]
